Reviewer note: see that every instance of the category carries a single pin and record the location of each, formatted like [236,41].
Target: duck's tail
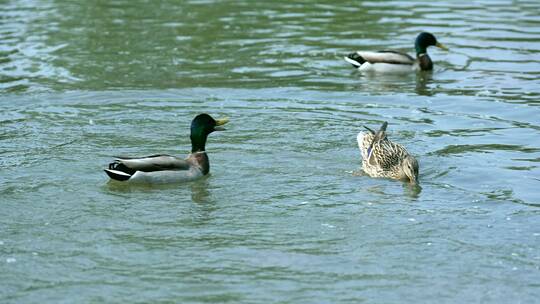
[355,59]
[119,171]
[381,134]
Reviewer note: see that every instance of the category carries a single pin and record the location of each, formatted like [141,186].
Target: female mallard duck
[165,168]
[391,61]
[383,158]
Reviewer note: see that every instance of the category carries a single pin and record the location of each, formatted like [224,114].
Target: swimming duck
[383,158]
[396,62]
[162,168]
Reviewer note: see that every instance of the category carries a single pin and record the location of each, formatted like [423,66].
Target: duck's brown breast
[200,159]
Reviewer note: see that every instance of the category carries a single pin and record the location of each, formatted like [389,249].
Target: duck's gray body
[163,168]
[383,62]
[396,62]
[159,168]
[384,158]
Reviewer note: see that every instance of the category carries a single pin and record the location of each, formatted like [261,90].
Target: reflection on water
[281,218]
[424,83]
[412,191]
[199,189]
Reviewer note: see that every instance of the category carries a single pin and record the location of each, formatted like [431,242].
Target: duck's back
[383,158]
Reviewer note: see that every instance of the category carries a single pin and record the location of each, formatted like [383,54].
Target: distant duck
[383,158]
[162,168]
[396,62]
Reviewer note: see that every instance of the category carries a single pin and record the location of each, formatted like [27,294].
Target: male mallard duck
[383,158]
[165,168]
[391,61]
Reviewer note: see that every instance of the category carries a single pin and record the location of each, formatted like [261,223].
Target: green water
[283,217]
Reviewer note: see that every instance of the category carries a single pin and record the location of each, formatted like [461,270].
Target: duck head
[201,126]
[424,40]
[410,169]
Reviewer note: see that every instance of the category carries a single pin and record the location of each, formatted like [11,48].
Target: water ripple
[284,211]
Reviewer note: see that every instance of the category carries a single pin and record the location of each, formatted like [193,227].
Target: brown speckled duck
[383,158]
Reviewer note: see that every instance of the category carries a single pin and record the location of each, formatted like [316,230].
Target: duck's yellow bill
[222,121]
[440,45]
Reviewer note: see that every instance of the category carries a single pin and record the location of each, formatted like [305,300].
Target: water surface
[284,216]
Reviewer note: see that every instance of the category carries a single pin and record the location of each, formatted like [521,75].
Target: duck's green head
[201,126]
[424,40]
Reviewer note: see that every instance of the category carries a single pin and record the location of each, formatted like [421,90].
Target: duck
[397,62]
[162,168]
[384,158]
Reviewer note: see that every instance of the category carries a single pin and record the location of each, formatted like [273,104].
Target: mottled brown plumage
[383,158]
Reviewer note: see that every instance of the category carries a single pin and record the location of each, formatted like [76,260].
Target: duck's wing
[388,154]
[390,57]
[378,136]
[387,56]
[152,163]
[123,168]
